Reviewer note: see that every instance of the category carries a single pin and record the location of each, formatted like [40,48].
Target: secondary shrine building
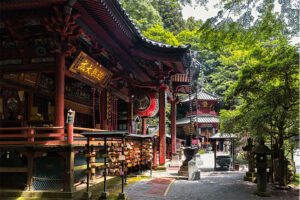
[205,117]
[72,67]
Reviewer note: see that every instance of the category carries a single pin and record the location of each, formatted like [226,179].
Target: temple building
[61,56]
[206,117]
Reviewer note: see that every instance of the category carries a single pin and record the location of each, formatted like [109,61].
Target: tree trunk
[282,163]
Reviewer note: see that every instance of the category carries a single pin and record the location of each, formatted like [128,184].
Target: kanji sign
[88,68]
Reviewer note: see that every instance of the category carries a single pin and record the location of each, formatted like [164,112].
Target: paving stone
[213,185]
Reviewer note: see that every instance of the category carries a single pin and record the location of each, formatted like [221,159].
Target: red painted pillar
[154,164]
[162,126]
[103,122]
[59,91]
[168,151]
[144,125]
[173,126]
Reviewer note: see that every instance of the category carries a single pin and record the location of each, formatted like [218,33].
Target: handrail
[31,133]
[31,128]
[88,129]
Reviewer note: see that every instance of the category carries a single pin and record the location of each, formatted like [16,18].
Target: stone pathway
[213,185]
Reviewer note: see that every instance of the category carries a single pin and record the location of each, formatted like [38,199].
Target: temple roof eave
[212,119]
[202,95]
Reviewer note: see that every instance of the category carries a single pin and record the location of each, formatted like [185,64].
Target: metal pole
[123,142]
[141,155]
[215,153]
[88,165]
[233,161]
[105,150]
[151,168]
[125,173]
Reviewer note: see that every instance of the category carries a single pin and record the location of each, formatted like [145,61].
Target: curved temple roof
[107,22]
[202,95]
[212,119]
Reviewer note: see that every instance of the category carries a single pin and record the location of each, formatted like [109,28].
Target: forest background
[246,57]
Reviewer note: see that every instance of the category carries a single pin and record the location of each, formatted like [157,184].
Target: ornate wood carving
[64,28]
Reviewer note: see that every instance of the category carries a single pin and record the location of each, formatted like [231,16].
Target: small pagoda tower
[203,115]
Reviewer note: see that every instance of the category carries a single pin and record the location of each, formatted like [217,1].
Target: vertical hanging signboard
[86,67]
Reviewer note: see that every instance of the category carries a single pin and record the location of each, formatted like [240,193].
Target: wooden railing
[31,135]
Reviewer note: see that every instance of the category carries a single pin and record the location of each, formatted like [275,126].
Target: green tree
[158,33]
[268,88]
[171,14]
[193,24]
[143,14]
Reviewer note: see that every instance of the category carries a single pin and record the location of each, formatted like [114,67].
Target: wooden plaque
[91,70]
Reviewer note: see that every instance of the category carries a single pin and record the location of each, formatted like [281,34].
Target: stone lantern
[261,151]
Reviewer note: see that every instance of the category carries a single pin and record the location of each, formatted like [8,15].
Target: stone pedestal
[193,170]
[189,154]
[184,171]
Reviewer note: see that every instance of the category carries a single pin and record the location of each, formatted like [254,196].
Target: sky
[200,12]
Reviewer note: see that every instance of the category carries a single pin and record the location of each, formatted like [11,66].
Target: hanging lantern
[146,104]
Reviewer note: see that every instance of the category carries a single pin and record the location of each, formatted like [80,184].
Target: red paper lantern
[146,104]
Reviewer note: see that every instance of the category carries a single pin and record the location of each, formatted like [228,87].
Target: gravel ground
[213,186]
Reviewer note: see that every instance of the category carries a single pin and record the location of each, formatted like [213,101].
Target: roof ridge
[205,91]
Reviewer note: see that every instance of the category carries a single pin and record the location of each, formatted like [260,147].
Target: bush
[201,152]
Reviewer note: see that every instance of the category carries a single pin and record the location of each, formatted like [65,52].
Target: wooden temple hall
[69,68]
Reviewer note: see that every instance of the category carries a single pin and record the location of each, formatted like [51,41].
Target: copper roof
[202,95]
[200,119]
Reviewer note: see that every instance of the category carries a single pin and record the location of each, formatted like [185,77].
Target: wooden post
[70,127]
[69,176]
[59,92]
[144,125]
[105,165]
[92,162]
[173,126]
[88,165]
[154,163]
[168,151]
[30,157]
[162,126]
[129,117]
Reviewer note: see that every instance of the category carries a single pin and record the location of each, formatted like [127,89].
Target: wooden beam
[13,169]
[8,83]
[12,69]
